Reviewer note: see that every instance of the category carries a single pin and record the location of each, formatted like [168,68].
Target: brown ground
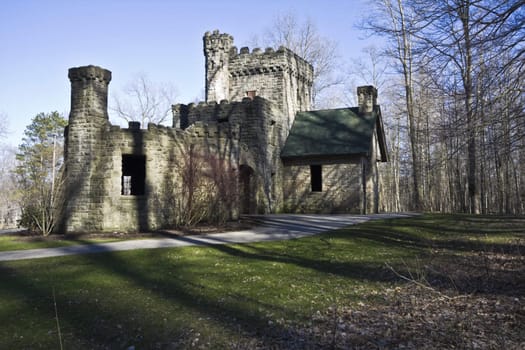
[468,301]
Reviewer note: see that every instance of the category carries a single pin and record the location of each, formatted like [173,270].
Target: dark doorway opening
[133,175]
[247,189]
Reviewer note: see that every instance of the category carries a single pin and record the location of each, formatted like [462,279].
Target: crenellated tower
[279,76]
[217,52]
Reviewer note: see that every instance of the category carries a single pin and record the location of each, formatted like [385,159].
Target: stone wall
[94,162]
[341,189]
[261,136]
[279,76]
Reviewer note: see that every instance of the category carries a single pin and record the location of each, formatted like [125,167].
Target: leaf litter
[462,301]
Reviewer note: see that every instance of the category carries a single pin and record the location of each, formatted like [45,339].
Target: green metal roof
[330,132]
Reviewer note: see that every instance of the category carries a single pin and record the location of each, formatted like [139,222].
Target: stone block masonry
[279,75]
[102,159]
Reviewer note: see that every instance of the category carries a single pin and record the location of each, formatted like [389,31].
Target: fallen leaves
[467,301]
[412,317]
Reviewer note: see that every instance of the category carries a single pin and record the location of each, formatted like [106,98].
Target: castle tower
[88,123]
[279,76]
[217,52]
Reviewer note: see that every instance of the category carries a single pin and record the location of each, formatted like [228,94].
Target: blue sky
[41,39]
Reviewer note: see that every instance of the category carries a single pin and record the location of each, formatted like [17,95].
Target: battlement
[202,129]
[234,51]
[216,35]
[186,115]
[244,62]
[89,93]
[280,76]
[89,73]
[270,61]
[217,42]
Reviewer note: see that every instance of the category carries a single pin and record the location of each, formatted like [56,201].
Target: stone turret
[89,91]
[85,136]
[217,49]
[366,98]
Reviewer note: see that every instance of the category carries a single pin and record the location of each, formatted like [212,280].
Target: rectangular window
[316,178]
[251,94]
[133,175]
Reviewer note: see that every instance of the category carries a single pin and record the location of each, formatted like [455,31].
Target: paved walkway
[268,228]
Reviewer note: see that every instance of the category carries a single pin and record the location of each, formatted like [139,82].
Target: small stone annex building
[256,117]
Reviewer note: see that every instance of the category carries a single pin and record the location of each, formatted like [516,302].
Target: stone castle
[257,118]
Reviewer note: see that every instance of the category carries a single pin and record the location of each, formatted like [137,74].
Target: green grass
[14,242]
[217,296]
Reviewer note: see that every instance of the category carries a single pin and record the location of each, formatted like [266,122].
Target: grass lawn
[434,280]
[15,242]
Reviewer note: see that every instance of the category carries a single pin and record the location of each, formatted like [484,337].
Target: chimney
[366,98]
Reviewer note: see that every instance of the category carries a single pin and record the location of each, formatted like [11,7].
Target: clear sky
[41,39]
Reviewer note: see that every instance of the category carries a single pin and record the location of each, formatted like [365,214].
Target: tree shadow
[122,324]
[112,327]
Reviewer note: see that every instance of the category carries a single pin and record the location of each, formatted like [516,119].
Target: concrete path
[268,228]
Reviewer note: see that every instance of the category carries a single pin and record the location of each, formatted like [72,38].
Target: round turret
[89,91]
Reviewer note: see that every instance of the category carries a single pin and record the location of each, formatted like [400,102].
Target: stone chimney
[366,98]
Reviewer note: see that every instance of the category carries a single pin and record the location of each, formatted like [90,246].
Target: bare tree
[304,39]
[4,124]
[462,63]
[390,20]
[209,188]
[371,67]
[144,101]
[9,203]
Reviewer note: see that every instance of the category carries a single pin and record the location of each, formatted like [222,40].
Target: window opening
[133,175]
[251,94]
[316,178]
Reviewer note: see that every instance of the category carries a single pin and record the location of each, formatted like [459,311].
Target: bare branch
[144,101]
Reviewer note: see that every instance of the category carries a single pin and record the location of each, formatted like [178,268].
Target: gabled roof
[333,132]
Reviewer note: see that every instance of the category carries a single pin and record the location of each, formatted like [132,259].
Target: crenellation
[132,125]
[89,73]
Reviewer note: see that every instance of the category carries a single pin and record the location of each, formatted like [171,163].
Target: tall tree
[390,20]
[463,67]
[451,42]
[144,101]
[39,160]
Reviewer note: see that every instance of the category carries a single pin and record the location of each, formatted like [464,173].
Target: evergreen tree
[39,160]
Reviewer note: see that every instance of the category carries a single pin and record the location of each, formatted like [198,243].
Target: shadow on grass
[119,323]
[87,322]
